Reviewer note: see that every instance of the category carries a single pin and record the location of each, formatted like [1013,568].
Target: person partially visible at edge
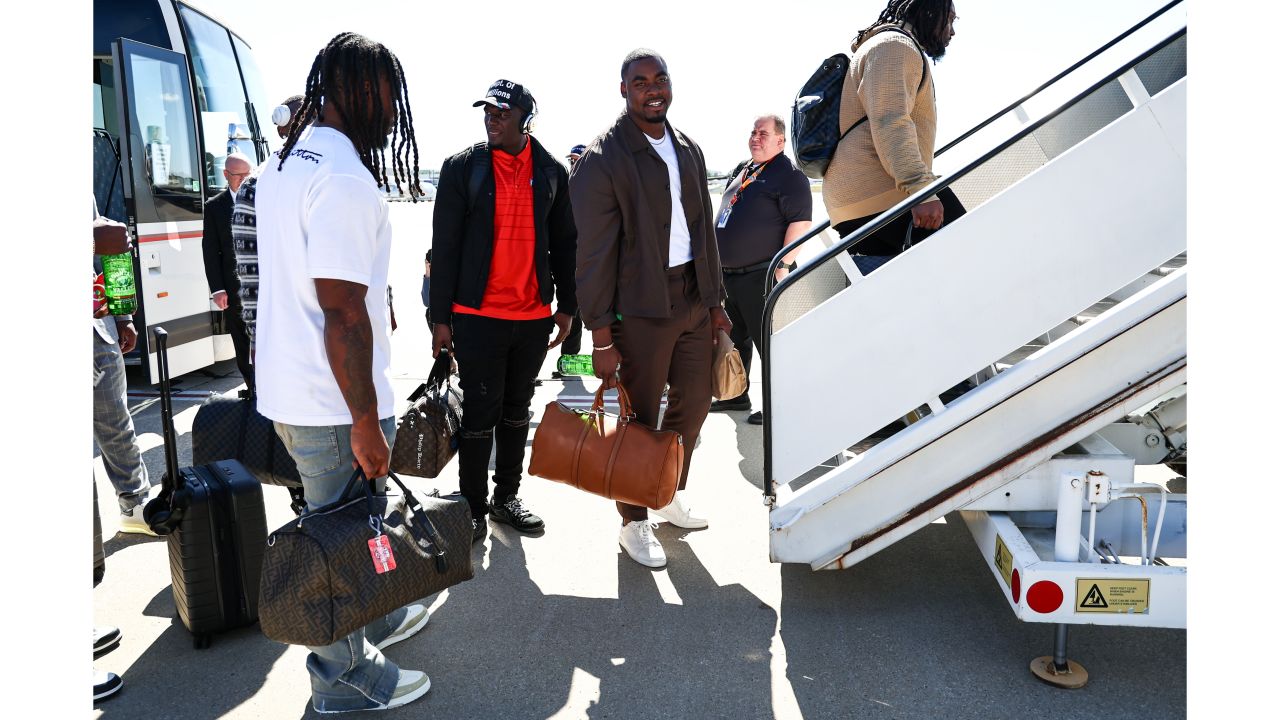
[503,243]
[888,157]
[220,261]
[113,433]
[244,231]
[649,282]
[113,430]
[572,344]
[323,348]
[766,206]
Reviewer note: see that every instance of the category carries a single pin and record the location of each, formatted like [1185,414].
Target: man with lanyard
[649,275]
[503,243]
[766,206]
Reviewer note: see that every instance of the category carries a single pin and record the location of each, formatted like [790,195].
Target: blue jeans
[113,426]
[351,674]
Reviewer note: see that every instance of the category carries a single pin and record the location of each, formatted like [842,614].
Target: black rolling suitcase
[232,429]
[216,527]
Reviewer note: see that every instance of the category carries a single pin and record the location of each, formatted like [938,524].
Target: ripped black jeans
[498,361]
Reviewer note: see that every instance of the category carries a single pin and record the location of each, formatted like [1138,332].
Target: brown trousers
[675,352]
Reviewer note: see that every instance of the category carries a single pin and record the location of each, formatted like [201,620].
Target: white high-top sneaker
[677,514]
[638,540]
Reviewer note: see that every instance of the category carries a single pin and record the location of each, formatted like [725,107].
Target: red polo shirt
[512,290]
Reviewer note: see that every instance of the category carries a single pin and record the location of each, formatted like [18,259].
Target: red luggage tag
[383,559]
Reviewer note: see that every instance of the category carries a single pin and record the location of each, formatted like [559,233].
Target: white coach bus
[174,92]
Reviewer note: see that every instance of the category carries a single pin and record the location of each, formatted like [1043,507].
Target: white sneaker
[414,620]
[132,522]
[638,540]
[412,685]
[677,514]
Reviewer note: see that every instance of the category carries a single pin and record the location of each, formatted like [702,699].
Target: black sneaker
[756,418]
[478,529]
[742,402]
[512,512]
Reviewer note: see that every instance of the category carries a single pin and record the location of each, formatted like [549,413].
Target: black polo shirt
[778,197]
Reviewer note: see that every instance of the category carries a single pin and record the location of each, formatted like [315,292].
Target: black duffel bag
[340,567]
[228,428]
[427,433]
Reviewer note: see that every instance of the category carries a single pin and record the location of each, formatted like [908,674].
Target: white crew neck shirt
[321,216]
[681,250]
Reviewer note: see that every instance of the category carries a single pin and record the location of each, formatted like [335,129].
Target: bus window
[219,96]
[262,105]
[161,124]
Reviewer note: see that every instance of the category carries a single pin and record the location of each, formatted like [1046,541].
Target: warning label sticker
[1095,595]
[1004,562]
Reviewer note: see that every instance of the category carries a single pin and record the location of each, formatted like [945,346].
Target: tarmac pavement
[565,625]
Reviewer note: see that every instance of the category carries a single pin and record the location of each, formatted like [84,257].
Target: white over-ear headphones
[527,126]
[281,115]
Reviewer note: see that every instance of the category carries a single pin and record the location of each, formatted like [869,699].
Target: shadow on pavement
[953,648]
[499,647]
[170,679]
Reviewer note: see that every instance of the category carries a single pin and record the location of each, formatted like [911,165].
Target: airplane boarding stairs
[1059,303]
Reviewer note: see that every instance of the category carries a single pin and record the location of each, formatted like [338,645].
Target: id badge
[383,559]
[724,217]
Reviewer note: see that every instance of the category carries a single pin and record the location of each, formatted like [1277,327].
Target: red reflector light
[1044,597]
[1015,584]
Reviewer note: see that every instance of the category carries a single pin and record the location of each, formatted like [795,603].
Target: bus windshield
[220,96]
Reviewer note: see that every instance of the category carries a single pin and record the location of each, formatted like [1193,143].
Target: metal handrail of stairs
[852,240]
[825,224]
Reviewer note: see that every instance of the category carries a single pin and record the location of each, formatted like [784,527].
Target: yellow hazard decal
[1004,561]
[1095,595]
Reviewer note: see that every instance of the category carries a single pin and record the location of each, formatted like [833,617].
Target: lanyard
[750,178]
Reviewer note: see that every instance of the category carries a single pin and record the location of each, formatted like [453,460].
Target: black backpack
[815,115]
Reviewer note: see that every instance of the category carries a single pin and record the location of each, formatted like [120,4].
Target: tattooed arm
[348,341]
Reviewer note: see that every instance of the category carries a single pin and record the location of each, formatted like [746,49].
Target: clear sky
[728,61]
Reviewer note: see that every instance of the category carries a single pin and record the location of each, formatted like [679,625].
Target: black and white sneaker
[512,512]
[478,529]
[105,684]
[105,639]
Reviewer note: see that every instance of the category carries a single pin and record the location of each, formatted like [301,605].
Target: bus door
[164,175]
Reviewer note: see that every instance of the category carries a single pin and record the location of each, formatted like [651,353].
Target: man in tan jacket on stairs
[888,101]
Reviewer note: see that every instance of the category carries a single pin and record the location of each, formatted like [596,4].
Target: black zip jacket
[462,232]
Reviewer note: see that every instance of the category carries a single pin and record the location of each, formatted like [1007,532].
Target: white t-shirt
[321,216]
[680,251]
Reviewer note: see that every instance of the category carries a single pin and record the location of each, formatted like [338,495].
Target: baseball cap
[504,95]
[578,149]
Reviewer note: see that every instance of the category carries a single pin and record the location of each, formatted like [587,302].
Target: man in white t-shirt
[323,328]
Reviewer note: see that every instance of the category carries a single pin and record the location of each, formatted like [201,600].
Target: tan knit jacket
[889,156]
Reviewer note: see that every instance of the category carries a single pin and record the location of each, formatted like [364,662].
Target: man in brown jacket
[649,284]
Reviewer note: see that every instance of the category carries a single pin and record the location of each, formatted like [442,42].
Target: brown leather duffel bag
[615,457]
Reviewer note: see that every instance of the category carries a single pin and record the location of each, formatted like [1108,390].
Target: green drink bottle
[575,365]
[117,274]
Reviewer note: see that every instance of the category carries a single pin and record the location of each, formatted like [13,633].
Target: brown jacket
[622,207]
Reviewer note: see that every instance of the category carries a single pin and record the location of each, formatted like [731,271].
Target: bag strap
[479,169]
[553,179]
[924,73]
[625,411]
[419,515]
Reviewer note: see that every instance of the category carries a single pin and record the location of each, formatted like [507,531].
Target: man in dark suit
[220,261]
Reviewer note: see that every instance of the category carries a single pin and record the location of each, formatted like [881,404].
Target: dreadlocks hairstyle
[348,65]
[637,55]
[927,17]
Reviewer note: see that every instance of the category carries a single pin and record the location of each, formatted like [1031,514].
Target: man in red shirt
[503,243]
